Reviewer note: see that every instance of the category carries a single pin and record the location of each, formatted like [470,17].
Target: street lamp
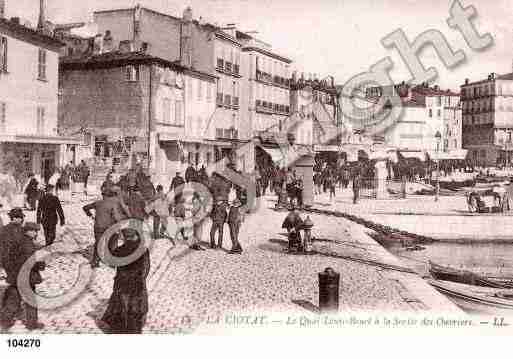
[438,137]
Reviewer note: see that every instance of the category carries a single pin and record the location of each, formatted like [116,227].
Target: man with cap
[107,213]
[11,231]
[48,209]
[16,253]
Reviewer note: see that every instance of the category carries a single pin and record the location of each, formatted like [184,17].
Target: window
[430,113]
[219,133]
[189,88]
[40,126]
[220,64]
[209,92]
[41,70]
[166,110]
[132,73]
[3,116]
[227,100]
[439,101]
[3,54]
[178,113]
[438,113]
[200,90]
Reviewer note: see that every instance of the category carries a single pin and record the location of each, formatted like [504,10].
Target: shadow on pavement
[307,305]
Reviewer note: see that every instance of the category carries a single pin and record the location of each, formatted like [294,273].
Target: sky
[330,37]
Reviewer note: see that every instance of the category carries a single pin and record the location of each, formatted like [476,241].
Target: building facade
[487,112]
[138,108]
[426,112]
[29,61]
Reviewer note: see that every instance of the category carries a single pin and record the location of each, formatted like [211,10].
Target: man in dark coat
[356,187]
[10,231]
[128,304]
[190,174]
[15,253]
[107,213]
[220,189]
[84,174]
[32,192]
[48,209]
[176,183]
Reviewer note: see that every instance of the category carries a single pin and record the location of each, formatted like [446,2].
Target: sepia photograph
[242,167]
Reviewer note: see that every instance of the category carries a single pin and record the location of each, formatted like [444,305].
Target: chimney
[2,9]
[42,15]
[186,46]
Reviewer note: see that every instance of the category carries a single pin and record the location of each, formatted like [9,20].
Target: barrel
[329,283]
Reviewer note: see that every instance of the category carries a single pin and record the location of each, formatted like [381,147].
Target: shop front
[41,156]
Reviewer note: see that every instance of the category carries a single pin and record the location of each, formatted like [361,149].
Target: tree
[11,166]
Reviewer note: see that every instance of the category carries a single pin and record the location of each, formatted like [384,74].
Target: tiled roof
[119,58]
[24,33]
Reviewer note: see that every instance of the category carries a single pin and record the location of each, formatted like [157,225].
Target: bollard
[329,282]
[307,237]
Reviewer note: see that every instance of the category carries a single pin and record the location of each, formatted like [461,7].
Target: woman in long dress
[128,304]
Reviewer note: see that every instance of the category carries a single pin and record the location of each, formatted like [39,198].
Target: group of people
[61,181]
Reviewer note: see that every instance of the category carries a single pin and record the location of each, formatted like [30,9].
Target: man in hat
[11,231]
[106,214]
[235,218]
[48,209]
[32,192]
[16,253]
[177,182]
[128,304]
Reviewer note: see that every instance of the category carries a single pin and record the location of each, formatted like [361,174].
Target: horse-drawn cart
[493,200]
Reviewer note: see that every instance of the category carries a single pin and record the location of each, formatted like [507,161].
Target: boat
[475,299]
[467,277]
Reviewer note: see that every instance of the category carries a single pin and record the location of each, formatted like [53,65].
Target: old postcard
[251,167]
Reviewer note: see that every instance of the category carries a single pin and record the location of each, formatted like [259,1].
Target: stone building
[139,108]
[487,107]
[29,98]
[426,111]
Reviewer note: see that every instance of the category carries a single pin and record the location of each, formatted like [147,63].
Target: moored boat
[467,277]
[475,299]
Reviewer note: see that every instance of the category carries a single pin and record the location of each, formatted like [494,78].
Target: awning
[326,148]
[275,153]
[46,140]
[420,155]
[451,155]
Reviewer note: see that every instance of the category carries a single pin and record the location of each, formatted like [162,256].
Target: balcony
[228,68]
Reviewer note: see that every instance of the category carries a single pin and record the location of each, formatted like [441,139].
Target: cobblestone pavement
[445,220]
[186,287]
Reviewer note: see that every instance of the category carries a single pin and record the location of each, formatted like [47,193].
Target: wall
[162,33]
[104,100]
[120,23]
[22,92]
